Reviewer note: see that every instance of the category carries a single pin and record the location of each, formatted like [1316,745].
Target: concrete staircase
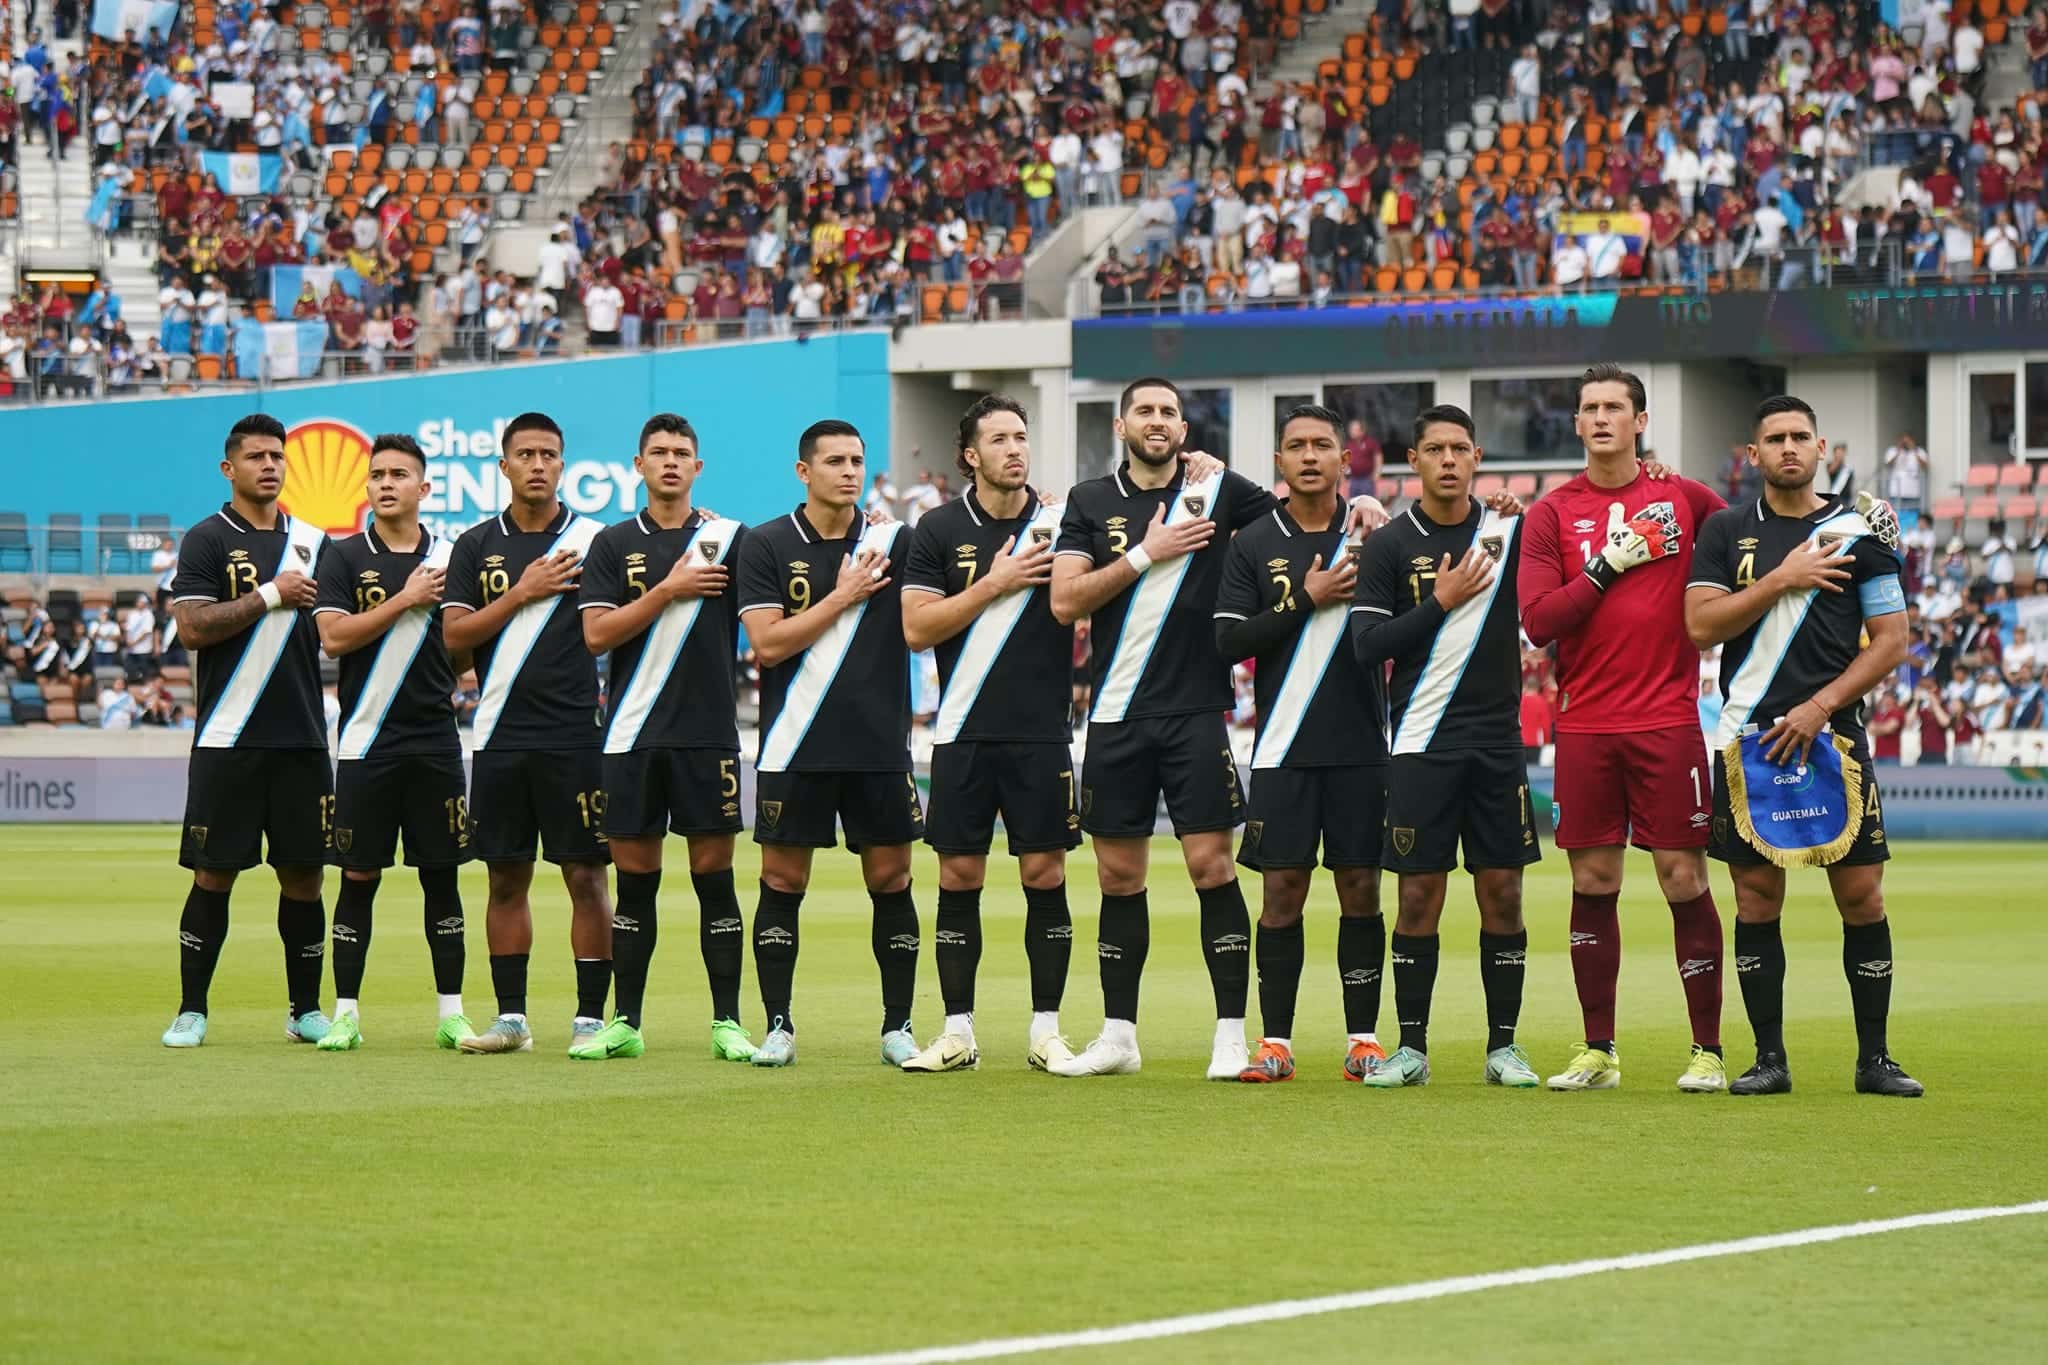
[1322,37]
[53,194]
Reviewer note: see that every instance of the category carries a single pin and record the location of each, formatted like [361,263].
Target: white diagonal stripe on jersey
[517,639]
[664,646]
[1314,648]
[266,646]
[986,638]
[1451,651]
[815,675]
[1773,640]
[395,653]
[1151,599]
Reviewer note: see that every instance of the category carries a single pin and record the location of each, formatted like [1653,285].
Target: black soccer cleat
[1770,1076]
[1880,1075]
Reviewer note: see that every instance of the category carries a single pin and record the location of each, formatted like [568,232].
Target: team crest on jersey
[1721,828]
[1195,503]
[771,811]
[1830,542]
[197,834]
[1041,535]
[304,552]
[709,550]
[1087,799]
[1746,543]
[1492,546]
[1404,840]
[344,838]
[1253,829]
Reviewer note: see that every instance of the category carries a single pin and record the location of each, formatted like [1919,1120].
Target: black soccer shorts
[876,810]
[424,795]
[680,791]
[1479,797]
[1130,763]
[550,800]
[1031,785]
[1728,845]
[1296,810]
[239,800]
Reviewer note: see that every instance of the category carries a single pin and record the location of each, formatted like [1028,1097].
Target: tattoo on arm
[208,623]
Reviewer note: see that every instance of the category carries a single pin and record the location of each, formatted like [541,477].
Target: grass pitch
[255,1200]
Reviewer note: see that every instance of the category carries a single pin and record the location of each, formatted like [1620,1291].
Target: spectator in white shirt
[1568,264]
[1770,230]
[2021,655]
[1525,81]
[118,708]
[602,305]
[882,497]
[923,496]
[1605,251]
[2002,245]
[1065,156]
[1106,167]
[1998,556]
[551,266]
[1258,275]
[1905,466]
[1286,279]
[138,636]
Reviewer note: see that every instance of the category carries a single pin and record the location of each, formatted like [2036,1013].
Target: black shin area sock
[722,938]
[1361,968]
[894,937]
[775,943]
[1280,954]
[445,927]
[1120,949]
[302,928]
[1048,944]
[635,924]
[351,931]
[1414,985]
[202,931]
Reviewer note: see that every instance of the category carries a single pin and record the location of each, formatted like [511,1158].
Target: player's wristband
[1601,572]
[272,597]
[1138,560]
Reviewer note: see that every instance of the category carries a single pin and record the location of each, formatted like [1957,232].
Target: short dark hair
[1123,402]
[1607,372]
[970,424]
[1444,412]
[1313,412]
[807,444]
[1779,403]
[255,424]
[402,443]
[529,421]
[668,424]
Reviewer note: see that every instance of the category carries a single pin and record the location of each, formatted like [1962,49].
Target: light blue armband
[1881,596]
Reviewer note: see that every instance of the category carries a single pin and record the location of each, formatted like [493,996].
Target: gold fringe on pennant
[1821,855]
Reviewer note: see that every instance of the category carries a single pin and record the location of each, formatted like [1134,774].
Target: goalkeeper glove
[1651,534]
[1883,522]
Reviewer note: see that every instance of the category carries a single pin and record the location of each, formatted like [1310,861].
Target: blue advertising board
[748,403]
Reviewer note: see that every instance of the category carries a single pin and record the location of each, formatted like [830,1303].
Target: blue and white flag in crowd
[100,212]
[242,173]
[114,18]
[279,350]
[287,280]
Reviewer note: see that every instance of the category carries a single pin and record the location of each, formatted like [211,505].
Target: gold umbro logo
[636,558]
[238,554]
[1277,563]
[964,551]
[367,576]
[1115,523]
[799,566]
[494,561]
[1421,562]
[1746,543]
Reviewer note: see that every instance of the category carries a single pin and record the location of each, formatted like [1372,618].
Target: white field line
[1286,1309]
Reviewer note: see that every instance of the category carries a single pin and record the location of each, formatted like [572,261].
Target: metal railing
[82,547]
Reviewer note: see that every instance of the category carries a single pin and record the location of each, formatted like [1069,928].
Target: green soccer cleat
[730,1043]
[1509,1066]
[1405,1067]
[1705,1074]
[504,1035]
[1595,1068]
[777,1049]
[187,1030]
[309,1027]
[616,1039]
[452,1031]
[344,1035]
[898,1046]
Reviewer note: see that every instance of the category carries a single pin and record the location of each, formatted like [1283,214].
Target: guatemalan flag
[242,173]
[287,280]
[113,19]
[280,350]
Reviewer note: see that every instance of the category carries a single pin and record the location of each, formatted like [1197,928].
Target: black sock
[1120,948]
[1361,963]
[894,936]
[1280,955]
[634,927]
[1503,963]
[1048,944]
[722,938]
[956,947]
[445,927]
[202,930]
[351,930]
[1226,946]
[302,928]
[1760,967]
[1867,962]
[1414,984]
[593,981]
[508,981]
[775,952]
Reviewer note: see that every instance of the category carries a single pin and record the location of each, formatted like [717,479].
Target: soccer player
[1319,766]
[820,597]
[976,590]
[400,756]
[536,778]
[1771,584]
[656,596]
[258,776]
[1603,575]
[1436,595]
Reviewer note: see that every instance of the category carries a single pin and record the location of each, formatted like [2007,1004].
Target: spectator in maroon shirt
[1362,455]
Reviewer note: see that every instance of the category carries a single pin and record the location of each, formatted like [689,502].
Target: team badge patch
[1721,829]
[1196,504]
[1087,799]
[1041,535]
[197,834]
[709,549]
[304,552]
[771,811]
[1492,546]
[1404,840]
[344,838]
[1252,830]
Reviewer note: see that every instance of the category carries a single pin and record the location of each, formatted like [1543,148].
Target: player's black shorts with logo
[877,810]
[1296,810]
[552,800]
[424,795]
[1030,783]
[1478,797]
[237,801]
[1130,763]
[680,791]
[1730,847]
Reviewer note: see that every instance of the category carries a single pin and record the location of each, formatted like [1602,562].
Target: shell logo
[326,475]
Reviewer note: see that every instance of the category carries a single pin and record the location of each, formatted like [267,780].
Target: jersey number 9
[493,584]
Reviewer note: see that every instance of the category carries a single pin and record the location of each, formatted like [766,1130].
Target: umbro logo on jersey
[1695,966]
[903,943]
[1746,543]
[344,933]
[729,925]
[1584,524]
[1581,939]
[773,934]
[950,938]
[1421,562]
[964,551]
[1361,976]
[709,549]
[1277,563]
[799,566]
[367,576]
[1059,931]
[1109,952]
[626,922]
[635,558]
[1230,943]
[1747,963]
[1877,969]
[451,925]
[494,561]
[191,940]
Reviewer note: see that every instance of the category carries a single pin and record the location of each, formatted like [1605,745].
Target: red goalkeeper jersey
[1624,660]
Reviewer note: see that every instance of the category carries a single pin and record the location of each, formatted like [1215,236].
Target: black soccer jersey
[843,705]
[1457,680]
[259,688]
[672,684]
[1806,638]
[1154,642]
[1007,675]
[1317,707]
[397,691]
[539,682]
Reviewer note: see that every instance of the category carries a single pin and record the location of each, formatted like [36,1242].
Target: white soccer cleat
[1103,1057]
[1050,1053]
[1228,1060]
[948,1052]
